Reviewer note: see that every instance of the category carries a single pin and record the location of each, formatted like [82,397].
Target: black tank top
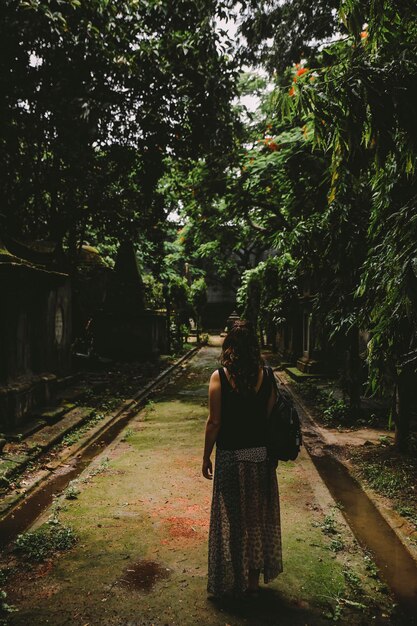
[243,418]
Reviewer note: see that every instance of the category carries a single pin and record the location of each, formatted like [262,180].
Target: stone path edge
[126,408]
[393,519]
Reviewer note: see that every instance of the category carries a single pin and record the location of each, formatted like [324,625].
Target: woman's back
[243,423]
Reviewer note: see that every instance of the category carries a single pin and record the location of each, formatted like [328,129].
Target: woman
[245,530]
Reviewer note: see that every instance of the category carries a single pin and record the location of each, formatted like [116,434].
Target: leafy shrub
[352,579]
[71,492]
[336,544]
[337,411]
[5,608]
[328,525]
[52,536]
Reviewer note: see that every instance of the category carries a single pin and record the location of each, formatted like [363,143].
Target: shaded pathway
[142,517]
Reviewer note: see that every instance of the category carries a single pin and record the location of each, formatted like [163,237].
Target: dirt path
[142,517]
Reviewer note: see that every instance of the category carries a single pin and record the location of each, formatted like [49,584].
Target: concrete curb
[125,410]
[393,519]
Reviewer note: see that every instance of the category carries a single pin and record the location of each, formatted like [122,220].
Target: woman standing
[245,530]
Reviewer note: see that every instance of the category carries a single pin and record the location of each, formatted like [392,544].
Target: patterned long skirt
[245,525]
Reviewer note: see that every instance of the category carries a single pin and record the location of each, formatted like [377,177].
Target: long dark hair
[242,357]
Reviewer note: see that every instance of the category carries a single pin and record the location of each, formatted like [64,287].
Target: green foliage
[198,295]
[98,93]
[178,292]
[369,131]
[328,525]
[386,480]
[127,434]
[353,580]
[280,33]
[371,567]
[408,512]
[337,545]
[154,295]
[355,243]
[41,543]
[71,492]
[5,608]
[204,339]
[268,291]
[337,411]
[102,467]
[75,435]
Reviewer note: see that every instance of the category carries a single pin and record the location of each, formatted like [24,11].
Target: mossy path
[142,516]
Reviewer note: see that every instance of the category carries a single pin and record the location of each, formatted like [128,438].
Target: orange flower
[273,146]
[312,79]
[364,34]
[291,92]
[302,71]
[295,79]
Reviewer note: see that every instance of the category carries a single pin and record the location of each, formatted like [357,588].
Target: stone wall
[35,337]
[135,336]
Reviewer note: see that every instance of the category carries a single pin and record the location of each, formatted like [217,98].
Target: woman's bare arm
[212,424]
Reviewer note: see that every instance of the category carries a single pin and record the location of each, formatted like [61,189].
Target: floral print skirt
[245,525]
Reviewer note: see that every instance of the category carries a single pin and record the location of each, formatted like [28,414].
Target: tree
[278,34]
[363,102]
[268,293]
[96,94]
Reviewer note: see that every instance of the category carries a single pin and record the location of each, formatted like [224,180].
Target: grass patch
[408,512]
[390,474]
[388,481]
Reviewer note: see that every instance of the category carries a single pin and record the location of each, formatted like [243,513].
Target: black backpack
[283,430]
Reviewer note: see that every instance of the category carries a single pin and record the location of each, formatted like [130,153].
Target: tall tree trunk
[197,330]
[261,333]
[353,371]
[168,324]
[403,409]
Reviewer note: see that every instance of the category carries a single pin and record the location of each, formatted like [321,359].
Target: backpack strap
[274,383]
[222,375]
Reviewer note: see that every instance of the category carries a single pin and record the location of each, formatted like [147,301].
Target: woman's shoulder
[215,376]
